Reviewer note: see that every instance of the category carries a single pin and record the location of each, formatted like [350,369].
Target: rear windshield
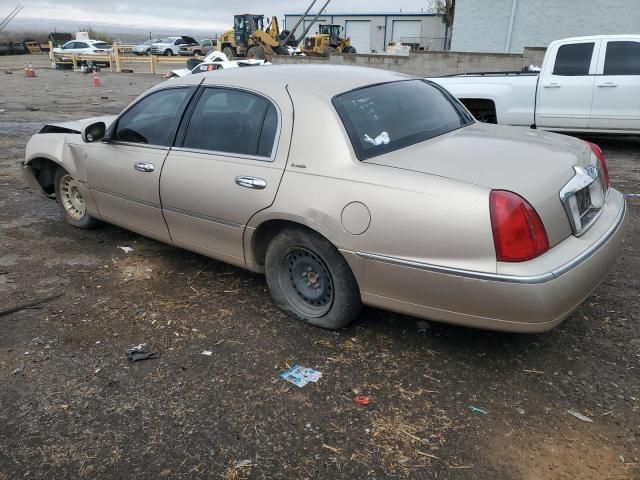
[386,117]
[101,45]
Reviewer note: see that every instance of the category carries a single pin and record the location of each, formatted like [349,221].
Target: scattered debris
[8,72]
[579,416]
[25,306]
[520,411]
[208,353]
[19,369]
[300,376]
[427,455]
[333,449]
[32,108]
[360,400]
[141,352]
[422,326]
[126,249]
[621,457]
[244,464]
[477,410]
[2,110]
[533,371]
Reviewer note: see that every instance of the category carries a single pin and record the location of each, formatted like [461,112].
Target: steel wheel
[306,282]
[71,199]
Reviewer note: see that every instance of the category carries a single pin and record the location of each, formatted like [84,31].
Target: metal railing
[425,43]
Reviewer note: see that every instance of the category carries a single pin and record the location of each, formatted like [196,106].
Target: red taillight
[518,232]
[603,165]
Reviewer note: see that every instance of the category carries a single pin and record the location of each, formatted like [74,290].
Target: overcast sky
[200,14]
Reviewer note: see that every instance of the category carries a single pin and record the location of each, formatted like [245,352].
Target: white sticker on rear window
[382,139]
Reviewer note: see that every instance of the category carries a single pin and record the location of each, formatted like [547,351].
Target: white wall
[483,25]
[432,27]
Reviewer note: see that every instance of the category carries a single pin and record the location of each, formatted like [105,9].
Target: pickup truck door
[565,87]
[616,96]
[227,165]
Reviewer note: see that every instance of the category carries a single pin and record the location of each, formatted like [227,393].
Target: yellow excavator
[251,38]
[328,40]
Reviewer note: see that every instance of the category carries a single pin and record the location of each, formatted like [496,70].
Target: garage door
[407,31]
[359,31]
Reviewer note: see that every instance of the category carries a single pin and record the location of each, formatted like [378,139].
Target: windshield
[149,42]
[386,117]
[167,40]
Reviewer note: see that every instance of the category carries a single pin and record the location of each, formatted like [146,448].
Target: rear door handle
[552,85]
[144,167]
[607,84]
[251,182]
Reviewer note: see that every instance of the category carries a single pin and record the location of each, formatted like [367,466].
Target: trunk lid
[532,163]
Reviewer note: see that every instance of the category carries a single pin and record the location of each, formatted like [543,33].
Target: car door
[124,173]
[69,47]
[616,96]
[226,166]
[565,88]
[81,48]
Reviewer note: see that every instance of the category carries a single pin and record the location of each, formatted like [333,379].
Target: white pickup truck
[586,84]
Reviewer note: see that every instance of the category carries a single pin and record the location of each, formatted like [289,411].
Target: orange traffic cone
[96,80]
[31,70]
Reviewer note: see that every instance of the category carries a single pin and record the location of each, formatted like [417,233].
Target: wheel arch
[44,169]
[481,108]
[258,237]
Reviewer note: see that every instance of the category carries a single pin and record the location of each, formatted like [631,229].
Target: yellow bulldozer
[251,38]
[328,40]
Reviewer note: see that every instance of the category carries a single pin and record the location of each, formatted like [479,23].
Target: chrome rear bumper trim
[496,277]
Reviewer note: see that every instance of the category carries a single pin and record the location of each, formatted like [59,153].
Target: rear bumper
[522,298]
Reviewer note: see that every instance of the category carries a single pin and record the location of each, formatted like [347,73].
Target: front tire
[168,53]
[310,280]
[256,53]
[229,52]
[71,202]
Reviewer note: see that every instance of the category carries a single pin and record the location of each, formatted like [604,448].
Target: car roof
[598,37]
[323,80]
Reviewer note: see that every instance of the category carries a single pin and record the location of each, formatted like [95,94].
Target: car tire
[197,53]
[310,280]
[147,52]
[168,52]
[71,202]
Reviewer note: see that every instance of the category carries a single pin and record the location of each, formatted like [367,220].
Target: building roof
[372,14]
[60,36]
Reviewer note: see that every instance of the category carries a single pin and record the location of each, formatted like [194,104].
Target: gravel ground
[72,406]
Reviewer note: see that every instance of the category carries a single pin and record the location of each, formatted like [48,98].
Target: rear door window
[573,59]
[232,121]
[622,58]
[383,118]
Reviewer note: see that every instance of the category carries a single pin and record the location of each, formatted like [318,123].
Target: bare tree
[446,8]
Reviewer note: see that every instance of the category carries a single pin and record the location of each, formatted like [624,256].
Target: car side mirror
[94,132]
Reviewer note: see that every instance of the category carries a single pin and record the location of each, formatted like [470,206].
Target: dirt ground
[72,406]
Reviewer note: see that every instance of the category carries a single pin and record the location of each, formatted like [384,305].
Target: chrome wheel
[71,199]
[306,282]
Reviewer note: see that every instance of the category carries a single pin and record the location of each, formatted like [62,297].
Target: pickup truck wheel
[197,53]
[168,52]
[71,202]
[310,280]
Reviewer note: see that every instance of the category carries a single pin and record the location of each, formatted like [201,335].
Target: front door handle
[552,85]
[607,84]
[144,167]
[251,182]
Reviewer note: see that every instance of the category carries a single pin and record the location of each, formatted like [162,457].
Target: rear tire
[71,202]
[350,49]
[310,280]
[197,53]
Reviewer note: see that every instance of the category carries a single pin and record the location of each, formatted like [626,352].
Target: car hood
[532,163]
[76,126]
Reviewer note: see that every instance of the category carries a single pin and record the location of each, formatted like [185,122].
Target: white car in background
[171,45]
[143,48]
[84,47]
[216,61]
